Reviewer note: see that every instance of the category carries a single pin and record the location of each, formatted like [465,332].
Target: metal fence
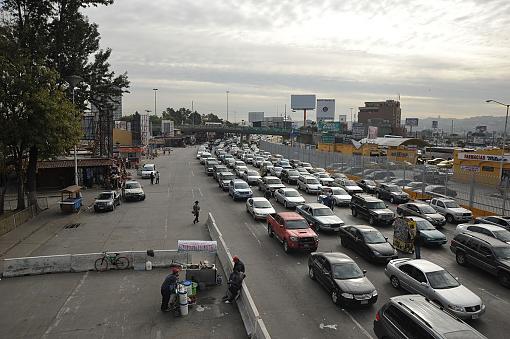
[12,204]
[426,179]
[12,221]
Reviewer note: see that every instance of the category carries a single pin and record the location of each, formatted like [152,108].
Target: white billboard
[325,109]
[305,101]
[167,127]
[145,133]
[342,118]
[255,116]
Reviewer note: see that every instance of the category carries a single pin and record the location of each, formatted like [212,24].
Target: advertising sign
[482,157]
[325,109]
[327,138]
[255,116]
[329,126]
[358,130]
[411,121]
[372,132]
[306,101]
[342,118]
[435,124]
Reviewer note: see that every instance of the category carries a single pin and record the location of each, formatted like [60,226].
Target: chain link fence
[429,180]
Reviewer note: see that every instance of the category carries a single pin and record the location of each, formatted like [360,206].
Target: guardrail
[253,323]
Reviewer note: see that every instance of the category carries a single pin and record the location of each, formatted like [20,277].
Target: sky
[442,58]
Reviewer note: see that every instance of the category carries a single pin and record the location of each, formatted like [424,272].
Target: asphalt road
[294,306]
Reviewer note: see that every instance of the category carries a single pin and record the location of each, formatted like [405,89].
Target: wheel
[101,264]
[122,263]
[270,231]
[504,279]
[461,258]
[285,204]
[354,212]
[449,219]
[286,248]
[371,221]
[334,297]
[394,282]
[392,200]
[311,273]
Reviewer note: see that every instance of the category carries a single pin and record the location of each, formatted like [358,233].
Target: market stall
[71,199]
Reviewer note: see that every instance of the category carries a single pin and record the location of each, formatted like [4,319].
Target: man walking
[235,282]
[417,244]
[157,177]
[168,289]
[152,178]
[196,212]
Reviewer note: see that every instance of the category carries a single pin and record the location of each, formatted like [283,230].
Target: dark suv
[489,254]
[393,193]
[372,208]
[414,316]
[289,175]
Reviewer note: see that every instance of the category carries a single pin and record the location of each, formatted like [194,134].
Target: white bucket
[183,299]
[148,266]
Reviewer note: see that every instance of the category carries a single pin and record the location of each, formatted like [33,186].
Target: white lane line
[200,191]
[365,332]
[493,295]
[253,233]
[192,173]
[193,194]
[166,227]
[64,309]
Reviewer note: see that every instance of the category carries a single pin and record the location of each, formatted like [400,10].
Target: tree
[211,117]
[55,36]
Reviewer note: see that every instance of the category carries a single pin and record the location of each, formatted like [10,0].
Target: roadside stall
[201,267]
[404,231]
[71,199]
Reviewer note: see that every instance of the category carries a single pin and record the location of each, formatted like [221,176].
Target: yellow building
[483,165]
[122,137]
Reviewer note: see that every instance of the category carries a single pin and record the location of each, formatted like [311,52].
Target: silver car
[288,197]
[259,207]
[434,282]
[494,231]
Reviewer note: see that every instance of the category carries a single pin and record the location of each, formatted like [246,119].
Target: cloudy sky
[443,57]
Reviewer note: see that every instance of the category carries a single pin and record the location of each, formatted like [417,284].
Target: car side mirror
[364,271]
[386,238]
[424,284]
[327,274]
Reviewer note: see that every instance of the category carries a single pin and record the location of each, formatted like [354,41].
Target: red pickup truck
[293,231]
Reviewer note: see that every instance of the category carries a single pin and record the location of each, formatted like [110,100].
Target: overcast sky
[443,57]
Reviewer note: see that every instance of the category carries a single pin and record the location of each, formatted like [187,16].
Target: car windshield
[262,204]
[228,177]
[322,212]
[502,235]
[241,185]
[148,167]
[105,196]
[273,181]
[394,189]
[373,237]
[376,205]
[347,271]
[502,252]
[424,225]
[296,224]
[338,191]
[292,194]
[294,173]
[441,280]
[349,183]
[311,181]
[323,175]
[427,209]
[132,185]
[451,204]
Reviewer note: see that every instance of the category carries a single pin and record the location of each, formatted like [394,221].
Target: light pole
[504,138]
[155,111]
[227,104]
[74,80]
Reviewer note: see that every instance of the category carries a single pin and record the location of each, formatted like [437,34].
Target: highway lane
[294,306]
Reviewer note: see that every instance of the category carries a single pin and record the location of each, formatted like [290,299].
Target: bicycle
[119,262]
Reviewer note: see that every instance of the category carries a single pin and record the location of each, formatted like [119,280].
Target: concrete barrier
[37,265]
[254,325]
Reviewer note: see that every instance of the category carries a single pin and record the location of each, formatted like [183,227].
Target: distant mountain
[464,125]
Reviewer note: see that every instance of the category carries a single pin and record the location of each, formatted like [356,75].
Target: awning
[91,162]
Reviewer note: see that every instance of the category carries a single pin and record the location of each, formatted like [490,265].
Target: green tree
[211,117]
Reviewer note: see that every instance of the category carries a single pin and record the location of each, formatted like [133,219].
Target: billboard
[411,121]
[435,124]
[255,117]
[325,109]
[306,101]
[342,118]
[372,132]
[167,128]
[329,126]
[145,133]
[358,130]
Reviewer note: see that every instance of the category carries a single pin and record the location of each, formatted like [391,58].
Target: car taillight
[377,316]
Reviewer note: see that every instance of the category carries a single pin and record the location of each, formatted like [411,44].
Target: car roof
[367,197]
[489,227]
[107,192]
[497,216]
[424,265]
[132,182]
[415,218]
[336,257]
[443,199]
[288,189]
[259,199]
[488,239]
[225,173]
[270,177]
[290,216]
[364,228]
[436,318]
[316,205]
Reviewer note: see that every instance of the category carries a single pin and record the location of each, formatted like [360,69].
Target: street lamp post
[155,111]
[504,138]
[74,80]
[227,104]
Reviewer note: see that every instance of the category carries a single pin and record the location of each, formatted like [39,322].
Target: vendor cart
[71,199]
[201,267]
[404,231]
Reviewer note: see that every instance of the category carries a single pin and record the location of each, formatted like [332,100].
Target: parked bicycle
[120,262]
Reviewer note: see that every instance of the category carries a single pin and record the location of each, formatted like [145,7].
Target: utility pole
[227,104]
[155,111]
[193,112]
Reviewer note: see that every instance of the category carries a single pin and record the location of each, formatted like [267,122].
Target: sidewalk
[41,228]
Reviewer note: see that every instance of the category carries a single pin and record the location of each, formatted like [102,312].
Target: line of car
[337,272]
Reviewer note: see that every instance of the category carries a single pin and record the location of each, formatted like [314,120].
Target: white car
[309,184]
[324,178]
[147,169]
[132,190]
[487,229]
[339,195]
[251,177]
[259,207]
[451,210]
[289,197]
[239,170]
[350,186]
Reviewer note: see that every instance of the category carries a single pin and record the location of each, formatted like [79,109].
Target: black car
[368,242]
[342,278]
[393,193]
[372,208]
[414,316]
[369,186]
[289,175]
[482,251]
[495,220]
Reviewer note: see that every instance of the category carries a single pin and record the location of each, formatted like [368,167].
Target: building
[275,122]
[167,128]
[114,105]
[255,118]
[386,113]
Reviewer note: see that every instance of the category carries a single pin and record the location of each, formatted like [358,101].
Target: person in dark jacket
[168,289]
[235,282]
[152,178]
[196,212]
[417,244]
[238,265]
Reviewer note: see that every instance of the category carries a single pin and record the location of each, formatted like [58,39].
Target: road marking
[365,332]
[193,194]
[64,309]
[200,191]
[333,326]
[492,295]
[166,227]
[253,233]
[192,173]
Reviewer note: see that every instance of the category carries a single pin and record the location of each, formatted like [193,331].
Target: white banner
[482,157]
[196,246]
